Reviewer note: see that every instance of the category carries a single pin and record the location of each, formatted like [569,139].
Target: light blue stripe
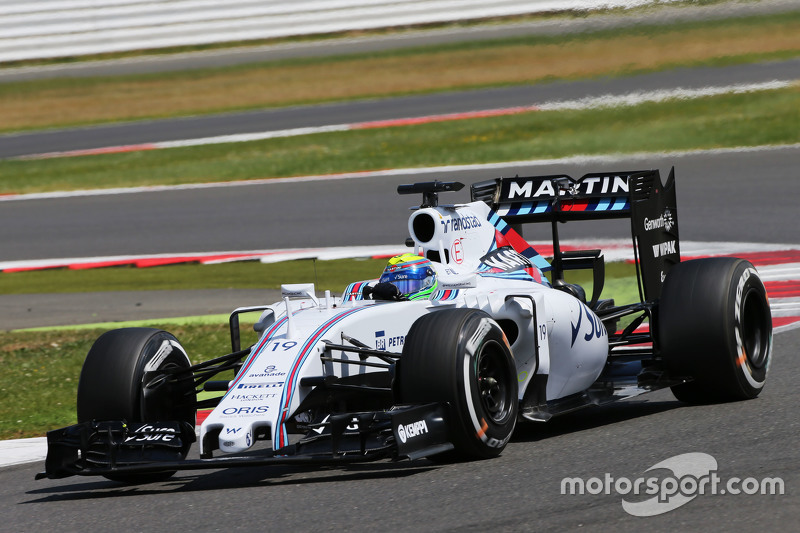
[541,207]
[525,209]
[619,204]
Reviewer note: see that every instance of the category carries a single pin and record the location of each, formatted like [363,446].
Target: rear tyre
[715,326]
[118,382]
[462,357]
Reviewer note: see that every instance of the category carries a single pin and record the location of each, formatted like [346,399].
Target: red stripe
[140,263]
[784,320]
[32,268]
[97,151]
[202,414]
[783,289]
[577,205]
[780,257]
[441,118]
[99,264]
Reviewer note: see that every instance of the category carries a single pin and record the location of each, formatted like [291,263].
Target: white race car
[468,334]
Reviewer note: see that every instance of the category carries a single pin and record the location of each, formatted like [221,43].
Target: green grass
[751,119]
[39,373]
[620,282]
[333,275]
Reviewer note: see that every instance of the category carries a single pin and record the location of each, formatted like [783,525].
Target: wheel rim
[493,383]
[156,405]
[755,328]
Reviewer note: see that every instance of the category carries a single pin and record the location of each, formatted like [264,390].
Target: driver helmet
[413,276]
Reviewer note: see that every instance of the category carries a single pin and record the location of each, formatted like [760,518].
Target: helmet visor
[409,282]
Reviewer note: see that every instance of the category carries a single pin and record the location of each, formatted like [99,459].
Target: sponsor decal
[240,411]
[506,260]
[549,188]
[232,430]
[457,252]
[252,397]
[472,344]
[380,340]
[396,341]
[409,431]
[163,351]
[268,385]
[460,223]
[664,248]
[596,329]
[664,222]
[152,434]
[269,372]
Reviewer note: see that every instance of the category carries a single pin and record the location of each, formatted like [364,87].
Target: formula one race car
[459,340]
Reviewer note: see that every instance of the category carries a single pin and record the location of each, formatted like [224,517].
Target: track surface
[729,196]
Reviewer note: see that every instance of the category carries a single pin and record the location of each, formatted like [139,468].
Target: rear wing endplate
[639,195]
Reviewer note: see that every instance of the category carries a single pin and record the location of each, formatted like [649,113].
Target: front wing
[121,448]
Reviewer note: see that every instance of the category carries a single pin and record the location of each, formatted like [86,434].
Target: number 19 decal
[288,345]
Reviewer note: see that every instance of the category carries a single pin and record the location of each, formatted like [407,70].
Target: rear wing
[640,196]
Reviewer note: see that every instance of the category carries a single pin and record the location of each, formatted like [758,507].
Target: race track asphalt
[740,196]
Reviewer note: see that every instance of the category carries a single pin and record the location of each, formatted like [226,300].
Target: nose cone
[235,439]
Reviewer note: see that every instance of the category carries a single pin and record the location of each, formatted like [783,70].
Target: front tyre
[461,357]
[714,325]
[122,379]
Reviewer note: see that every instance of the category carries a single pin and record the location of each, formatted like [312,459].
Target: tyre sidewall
[704,321]
[487,436]
[748,286]
[439,364]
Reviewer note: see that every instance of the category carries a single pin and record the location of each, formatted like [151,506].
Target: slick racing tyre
[462,357]
[119,381]
[715,326]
